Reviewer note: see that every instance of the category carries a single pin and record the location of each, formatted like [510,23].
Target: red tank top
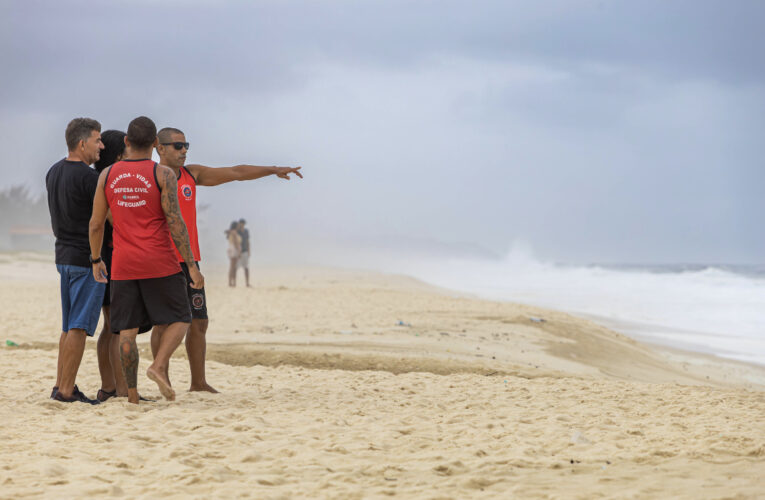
[143,247]
[187,199]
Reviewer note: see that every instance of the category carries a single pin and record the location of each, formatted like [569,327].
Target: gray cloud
[596,130]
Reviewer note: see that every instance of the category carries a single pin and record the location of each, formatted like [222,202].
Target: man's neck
[138,154]
[75,156]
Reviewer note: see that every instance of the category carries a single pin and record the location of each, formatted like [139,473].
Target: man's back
[142,245]
[71,186]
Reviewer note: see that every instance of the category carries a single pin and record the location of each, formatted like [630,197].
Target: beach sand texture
[326,395]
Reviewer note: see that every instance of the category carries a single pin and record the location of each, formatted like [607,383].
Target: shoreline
[637,331]
[334,315]
[633,329]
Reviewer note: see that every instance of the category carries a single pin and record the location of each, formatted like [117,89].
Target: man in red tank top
[147,285]
[172,151]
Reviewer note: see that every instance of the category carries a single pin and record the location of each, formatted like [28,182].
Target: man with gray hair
[71,185]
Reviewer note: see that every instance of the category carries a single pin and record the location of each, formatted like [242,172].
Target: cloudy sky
[593,131]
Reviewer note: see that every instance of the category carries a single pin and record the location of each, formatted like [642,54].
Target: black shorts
[154,301]
[197,298]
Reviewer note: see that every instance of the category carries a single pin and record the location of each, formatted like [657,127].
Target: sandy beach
[344,384]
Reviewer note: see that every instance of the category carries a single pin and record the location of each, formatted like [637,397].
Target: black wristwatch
[94,261]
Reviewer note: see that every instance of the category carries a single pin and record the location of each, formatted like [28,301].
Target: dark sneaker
[84,399]
[77,397]
[54,392]
[103,395]
[76,393]
[60,397]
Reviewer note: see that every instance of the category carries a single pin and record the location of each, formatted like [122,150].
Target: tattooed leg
[129,359]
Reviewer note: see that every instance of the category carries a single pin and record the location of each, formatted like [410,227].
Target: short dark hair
[242,221]
[141,132]
[165,133]
[78,130]
[114,146]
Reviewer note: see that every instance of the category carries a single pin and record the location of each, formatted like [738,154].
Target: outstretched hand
[284,172]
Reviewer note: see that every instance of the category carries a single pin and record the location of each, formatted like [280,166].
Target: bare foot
[162,382]
[203,387]
[133,396]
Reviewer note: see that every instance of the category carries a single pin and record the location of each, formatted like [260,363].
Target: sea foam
[702,308]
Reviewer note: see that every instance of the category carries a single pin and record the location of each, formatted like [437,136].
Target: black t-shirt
[71,187]
[245,234]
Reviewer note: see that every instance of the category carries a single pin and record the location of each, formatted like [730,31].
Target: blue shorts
[81,298]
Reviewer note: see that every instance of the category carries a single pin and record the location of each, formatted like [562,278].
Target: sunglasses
[177,145]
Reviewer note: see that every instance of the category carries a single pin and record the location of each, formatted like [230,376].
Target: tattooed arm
[169,188]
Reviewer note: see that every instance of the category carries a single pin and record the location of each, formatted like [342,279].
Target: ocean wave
[721,305]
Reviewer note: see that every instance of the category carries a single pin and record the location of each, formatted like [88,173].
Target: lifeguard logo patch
[187,192]
[198,301]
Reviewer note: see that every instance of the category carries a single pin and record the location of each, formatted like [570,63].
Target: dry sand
[325,395]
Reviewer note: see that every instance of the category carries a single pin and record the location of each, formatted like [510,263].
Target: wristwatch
[94,261]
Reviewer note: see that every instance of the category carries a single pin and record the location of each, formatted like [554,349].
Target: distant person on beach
[71,184]
[234,251]
[244,255]
[148,286]
[172,150]
[108,345]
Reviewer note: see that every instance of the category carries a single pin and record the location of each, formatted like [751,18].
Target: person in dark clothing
[108,346]
[244,255]
[71,185]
